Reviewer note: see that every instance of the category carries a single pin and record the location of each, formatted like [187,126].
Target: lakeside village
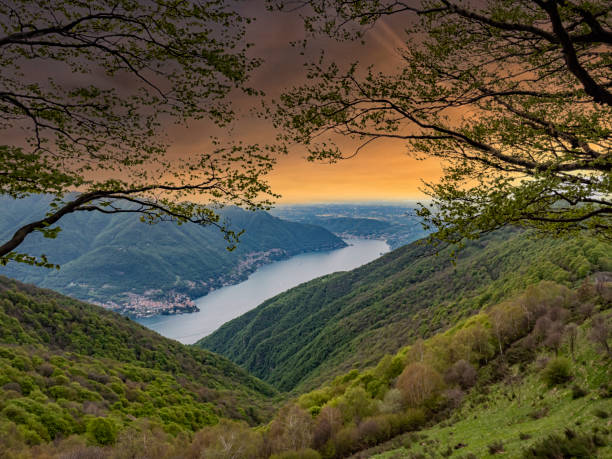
[153,303]
[141,306]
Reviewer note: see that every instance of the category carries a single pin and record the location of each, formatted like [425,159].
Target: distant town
[140,306]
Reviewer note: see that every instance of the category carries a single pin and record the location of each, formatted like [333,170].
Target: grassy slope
[325,327]
[507,411]
[64,358]
[103,256]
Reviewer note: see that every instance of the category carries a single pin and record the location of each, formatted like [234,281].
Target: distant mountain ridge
[397,224]
[322,328]
[118,259]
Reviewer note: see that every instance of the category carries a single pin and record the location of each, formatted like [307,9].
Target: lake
[232,301]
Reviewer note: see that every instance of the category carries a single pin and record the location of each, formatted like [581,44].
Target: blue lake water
[232,301]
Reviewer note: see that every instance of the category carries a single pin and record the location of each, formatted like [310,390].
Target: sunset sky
[382,171]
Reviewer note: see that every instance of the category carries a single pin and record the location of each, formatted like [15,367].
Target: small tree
[571,332]
[227,440]
[418,382]
[462,373]
[600,333]
[291,429]
[102,431]
[509,322]
[328,423]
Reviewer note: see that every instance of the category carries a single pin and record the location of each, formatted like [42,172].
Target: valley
[230,302]
[117,264]
[306,229]
[317,330]
[525,361]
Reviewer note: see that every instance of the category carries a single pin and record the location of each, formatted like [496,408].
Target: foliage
[302,454]
[90,87]
[557,371]
[102,431]
[567,446]
[355,318]
[227,439]
[513,98]
[349,416]
[71,368]
[601,332]
[418,382]
[157,411]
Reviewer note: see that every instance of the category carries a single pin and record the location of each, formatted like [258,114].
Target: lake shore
[232,301]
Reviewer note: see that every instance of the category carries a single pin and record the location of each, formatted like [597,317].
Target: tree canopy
[513,97]
[86,90]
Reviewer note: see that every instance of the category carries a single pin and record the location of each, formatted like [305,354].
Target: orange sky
[382,171]
[379,173]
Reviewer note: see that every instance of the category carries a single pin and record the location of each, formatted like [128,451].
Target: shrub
[302,454]
[453,398]
[102,431]
[373,430]
[556,446]
[522,351]
[496,447]
[538,414]
[605,390]
[557,371]
[418,382]
[578,392]
[462,373]
[600,413]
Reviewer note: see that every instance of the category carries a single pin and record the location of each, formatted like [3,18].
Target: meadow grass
[518,415]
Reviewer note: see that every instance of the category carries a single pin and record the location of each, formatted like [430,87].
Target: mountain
[65,364]
[117,259]
[361,227]
[530,377]
[397,224]
[322,328]
[526,373]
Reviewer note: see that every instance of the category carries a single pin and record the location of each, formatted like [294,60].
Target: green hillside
[67,367]
[327,326]
[527,376]
[104,257]
[530,377]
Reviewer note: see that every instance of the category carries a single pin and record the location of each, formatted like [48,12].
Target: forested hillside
[530,377]
[67,367]
[117,258]
[317,330]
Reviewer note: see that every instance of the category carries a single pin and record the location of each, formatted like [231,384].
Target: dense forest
[67,367]
[317,330]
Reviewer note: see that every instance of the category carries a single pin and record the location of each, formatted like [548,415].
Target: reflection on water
[229,302]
